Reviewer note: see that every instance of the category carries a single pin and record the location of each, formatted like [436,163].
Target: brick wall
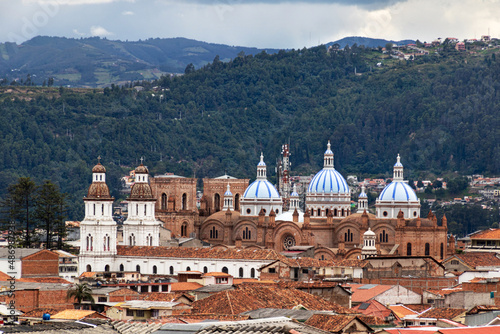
[29,299]
[41,264]
[415,284]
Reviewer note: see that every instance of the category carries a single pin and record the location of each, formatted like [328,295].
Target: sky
[254,23]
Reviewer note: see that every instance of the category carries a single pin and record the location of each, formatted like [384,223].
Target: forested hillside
[440,112]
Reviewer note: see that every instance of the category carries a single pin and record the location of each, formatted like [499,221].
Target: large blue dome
[261,189]
[398,191]
[328,180]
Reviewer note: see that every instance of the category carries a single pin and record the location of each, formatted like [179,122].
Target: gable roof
[364,292]
[402,311]
[443,313]
[184,286]
[197,253]
[476,259]
[373,308]
[333,323]
[252,297]
[72,314]
[492,233]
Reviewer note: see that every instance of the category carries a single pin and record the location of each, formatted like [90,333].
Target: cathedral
[234,213]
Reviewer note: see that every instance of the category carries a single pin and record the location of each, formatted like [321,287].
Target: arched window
[343,212]
[252,273]
[335,212]
[241,272]
[247,234]
[225,270]
[184,202]
[237,202]
[90,242]
[155,270]
[188,268]
[408,249]
[131,239]
[122,267]
[348,236]
[149,240]
[427,249]
[184,230]
[102,209]
[205,270]
[164,201]
[137,209]
[319,212]
[441,251]
[94,209]
[106,268]
[327,211]
[214,233]
[217,202]
[89,268]
[383,237]
[145,210]
[138,268]
[171,270]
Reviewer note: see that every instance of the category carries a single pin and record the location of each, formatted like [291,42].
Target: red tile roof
[251,297]
[374,308]
[330,323]
[4,276]
[402,311]
[479,259]
[184,286]
[44,280]
[443,313]
[204,253]
[39,312]
[165,297]
[216,274]
[363,295]
[492,233]
[443,292]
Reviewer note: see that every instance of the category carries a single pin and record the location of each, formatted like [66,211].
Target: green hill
[440,112]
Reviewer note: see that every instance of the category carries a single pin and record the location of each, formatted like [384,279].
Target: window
[247,234]
[122,268]
[205,270]
[164,201]
[139,313]
[171,270]
[305,271]
[102,300]
[130,313]
[106,268]
[102,208]
[454,262]
[348,236]
[319,212]
[225,270]
[385,213]
[427,249]
[155,270]
[216,202]
[441,251]
[89,268]
[188,268]
[214,233]
[383,237]
[164,288]
[408,249]
[138,268]
[241,272]
[252,273]
[237,202]
[184,230]
[221,280]
[184,201]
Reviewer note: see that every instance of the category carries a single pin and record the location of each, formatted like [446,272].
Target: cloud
[72,2]
[128,12]
[99,31]
[76,32]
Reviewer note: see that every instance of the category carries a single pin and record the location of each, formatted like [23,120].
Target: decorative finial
[329,145]
[142,159]
[99,159]
[261,157]
[228,188]
[399,159]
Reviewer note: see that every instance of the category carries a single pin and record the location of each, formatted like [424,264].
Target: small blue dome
[228,193]
[363,195]
[262,189]
[328,180]
[398,164]
[398,191]
[294,194]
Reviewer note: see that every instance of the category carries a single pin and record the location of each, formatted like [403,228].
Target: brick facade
[41,264]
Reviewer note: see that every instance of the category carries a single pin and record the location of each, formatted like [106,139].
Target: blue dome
[398,164]
[328,180]
[363,195]
[294,194]
[261,189]
[228,193]
[398,191]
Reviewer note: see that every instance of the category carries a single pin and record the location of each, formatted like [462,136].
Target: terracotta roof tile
[478,259]
[330,323]
[351,263]
[205,253]
[44,280]
[374,308]
[216,274]
[372,320]
[419,308]
[492,233]
[443,292]
[72,314]
[360,294]
[87,274]
[39,312]
[402,311]
[442,313]
[165,297]
[251,297]
[4,276]
[184,286]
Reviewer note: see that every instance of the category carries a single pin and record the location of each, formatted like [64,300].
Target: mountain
[96,62]
[368,42]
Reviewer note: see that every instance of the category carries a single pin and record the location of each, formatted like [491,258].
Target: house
[402,266]
[431,316]
[384,294]
[32,295]
[75,315]
[68,265]
[250,297]
[375,309]
[485,241]
[474,261]
[402,311]
[145,310]
[436,330]
[217,278]
[339,323]
[349,269]
[297,269]
[331,291]
[29,262]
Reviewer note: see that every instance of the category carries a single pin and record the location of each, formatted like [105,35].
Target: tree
[189,68]
[388,47]
[80,292]
[19,205]
[48,210]
[50,82]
